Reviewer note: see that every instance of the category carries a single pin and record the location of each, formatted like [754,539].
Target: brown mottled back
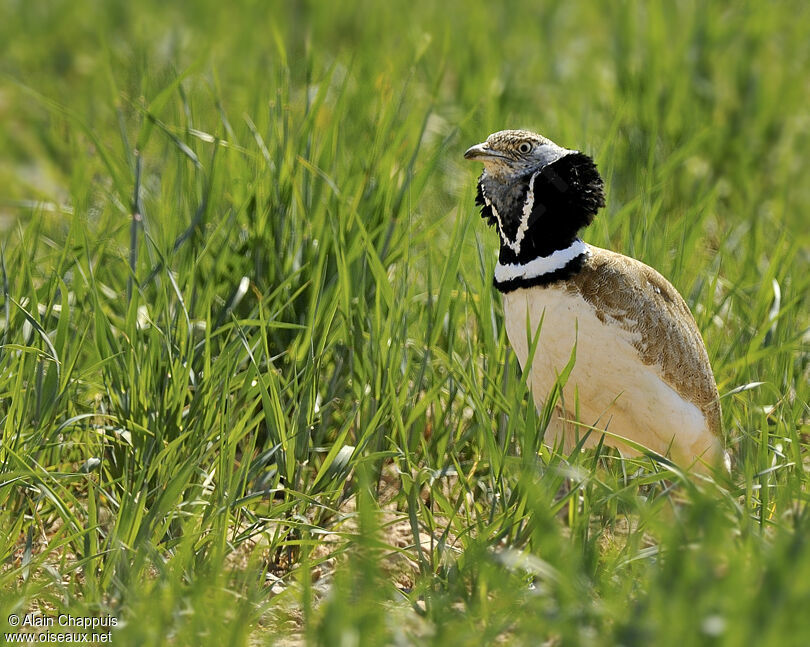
[643,302]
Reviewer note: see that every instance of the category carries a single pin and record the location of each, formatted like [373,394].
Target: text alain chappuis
[62,621]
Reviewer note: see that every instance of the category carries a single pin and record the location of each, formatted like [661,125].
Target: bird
[640,371]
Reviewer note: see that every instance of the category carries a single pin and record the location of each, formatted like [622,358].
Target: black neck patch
[567,195]
[486,209]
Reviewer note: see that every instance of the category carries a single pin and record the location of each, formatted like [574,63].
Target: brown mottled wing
[640,300]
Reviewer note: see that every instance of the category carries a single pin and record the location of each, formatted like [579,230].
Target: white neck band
[540,265]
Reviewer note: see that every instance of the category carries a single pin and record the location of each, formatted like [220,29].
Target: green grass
[281,407]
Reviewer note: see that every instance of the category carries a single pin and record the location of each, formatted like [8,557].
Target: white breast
[610,386]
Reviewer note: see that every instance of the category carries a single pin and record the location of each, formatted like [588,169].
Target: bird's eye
[524,147]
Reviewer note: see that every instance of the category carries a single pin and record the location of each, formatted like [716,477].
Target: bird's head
[538,194]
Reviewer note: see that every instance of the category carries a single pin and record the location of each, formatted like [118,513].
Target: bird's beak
[480,153]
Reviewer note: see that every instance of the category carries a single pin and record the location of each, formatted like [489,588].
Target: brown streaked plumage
[639,299]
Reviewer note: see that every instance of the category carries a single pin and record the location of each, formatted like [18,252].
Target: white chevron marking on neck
[540,265]
[528,204]
[523,227]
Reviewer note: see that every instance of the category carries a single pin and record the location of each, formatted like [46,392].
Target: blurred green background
[278,406]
